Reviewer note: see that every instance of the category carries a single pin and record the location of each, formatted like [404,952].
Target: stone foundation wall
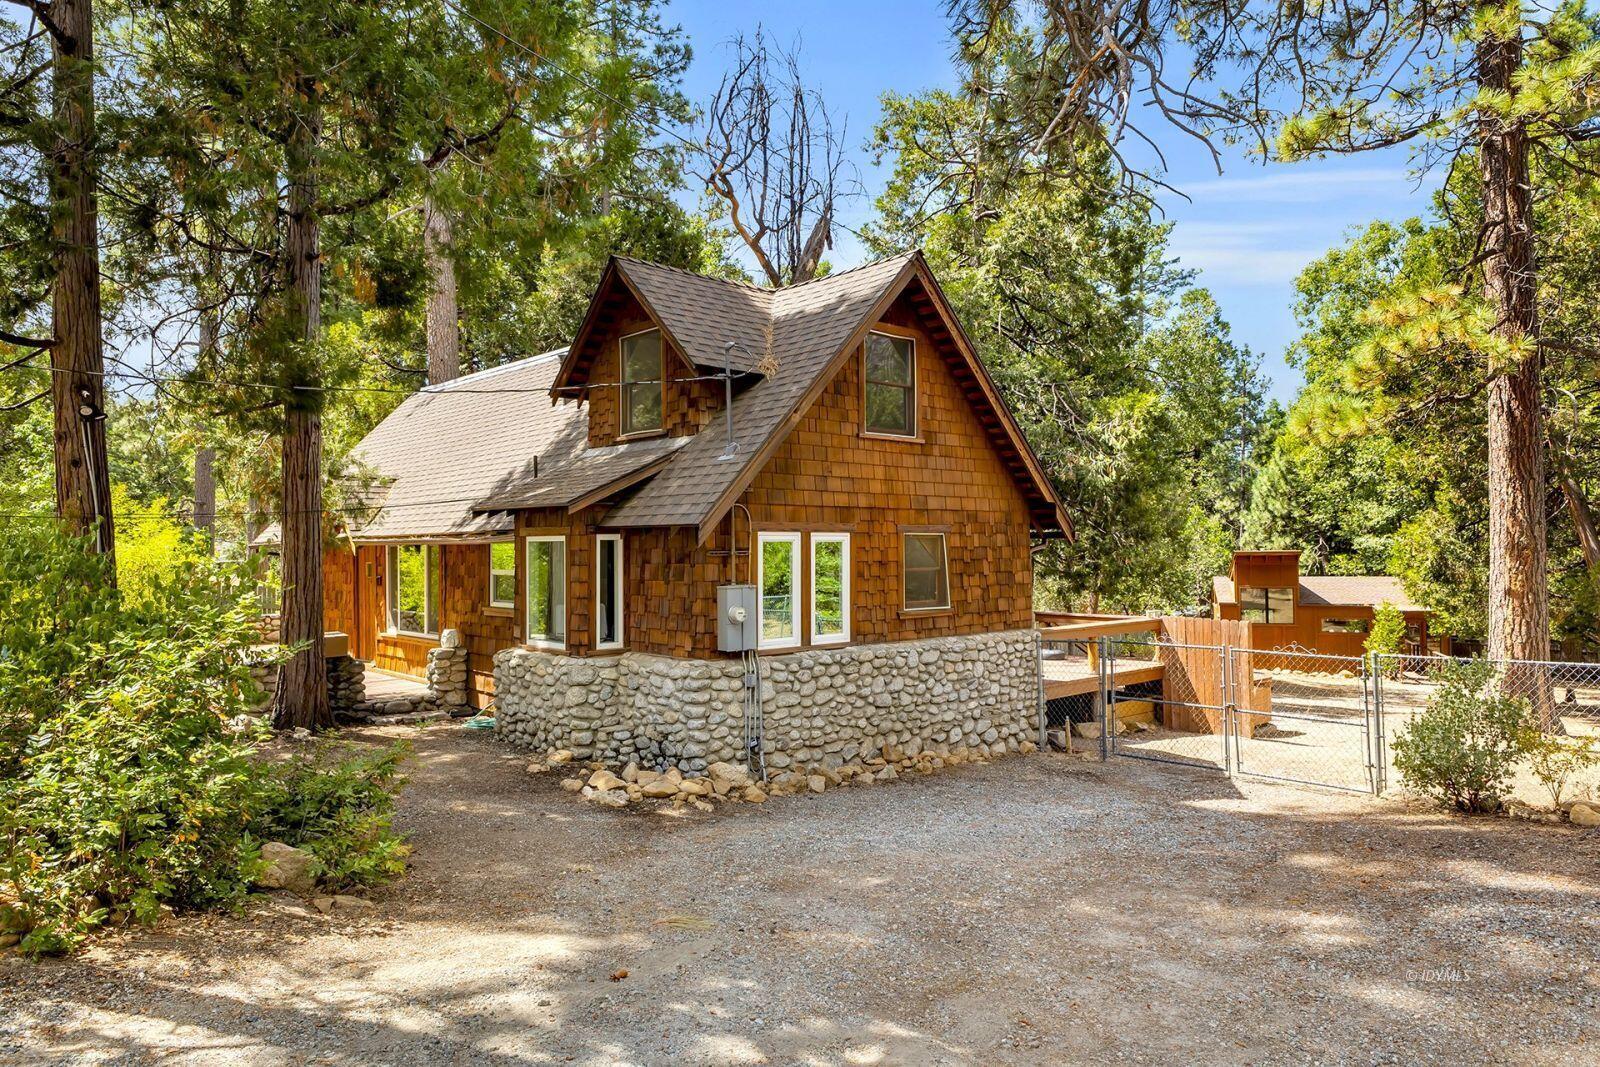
[821,707]
[347,683]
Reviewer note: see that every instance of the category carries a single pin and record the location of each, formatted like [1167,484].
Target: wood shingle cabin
[631,573]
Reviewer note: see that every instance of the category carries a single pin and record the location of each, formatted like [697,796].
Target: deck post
[1104,707]
[1044,715]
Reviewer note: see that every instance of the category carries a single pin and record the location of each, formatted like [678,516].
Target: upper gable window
[891,389]
[641,382]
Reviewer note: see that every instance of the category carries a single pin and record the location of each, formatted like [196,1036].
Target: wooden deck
[1075,677]
[387,685]
[1075,674]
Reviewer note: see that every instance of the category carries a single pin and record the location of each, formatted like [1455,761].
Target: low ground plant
[131,779]
[1557,761]
[1462,749]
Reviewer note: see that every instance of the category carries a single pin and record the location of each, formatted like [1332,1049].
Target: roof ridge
[847,270]
[698,277]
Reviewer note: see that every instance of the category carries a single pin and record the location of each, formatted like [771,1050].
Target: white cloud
[1303,183]
[1242,253]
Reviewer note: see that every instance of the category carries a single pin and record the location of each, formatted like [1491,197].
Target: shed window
[1273,606]
[502,575]
[830,588]
[547,591]
[608,591]
[641,382]
[891,391]
[413,589]
[778,556]
[927,571]
[1345,626]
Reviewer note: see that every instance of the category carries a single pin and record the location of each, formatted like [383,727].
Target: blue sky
[1247,231]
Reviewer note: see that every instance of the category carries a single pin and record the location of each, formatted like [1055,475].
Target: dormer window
[641,389]
[891,385]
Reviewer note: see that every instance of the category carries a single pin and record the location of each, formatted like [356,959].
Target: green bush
[123,787]
[1557,761]
[1461,750]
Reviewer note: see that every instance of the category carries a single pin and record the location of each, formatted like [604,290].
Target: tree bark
[301,699]
[77,386]
[1519,606]
[1583,524]
[205,494]
[443,322]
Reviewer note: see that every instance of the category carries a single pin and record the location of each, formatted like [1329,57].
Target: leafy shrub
[1557,760]
[1462,748]
[122,787]
[152,545]
[1388,629]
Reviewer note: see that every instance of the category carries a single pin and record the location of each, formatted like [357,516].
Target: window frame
[1334,625]
[511,604]
[1267,603]
[911,433]
[905,571]
[430,604]
[625,386]
[618,592]
[544,640]
[792,539]
[842,539]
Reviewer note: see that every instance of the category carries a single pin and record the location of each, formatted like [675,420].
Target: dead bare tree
[775,159]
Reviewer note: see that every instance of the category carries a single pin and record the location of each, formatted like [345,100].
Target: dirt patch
[1038,909]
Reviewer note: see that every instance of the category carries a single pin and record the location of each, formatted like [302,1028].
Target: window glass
[1344,626]
[891,391]
[641,377]
[779,557]
[927,582]
[502,574]
[547,589]
[1273,606]
[608,591]
[414,575]
[830,587]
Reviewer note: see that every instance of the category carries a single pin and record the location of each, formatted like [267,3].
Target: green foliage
[123,787]
[153,546]
[1388,630]
[1462,749]
[1557,760]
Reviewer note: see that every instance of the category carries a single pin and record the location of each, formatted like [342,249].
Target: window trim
[504,604]
[624,385]
[619,592]
[867,429]
[1266,604]
[944,558]
[1355,625]
[792,539]
[392,575]
[527,611]
[843,539]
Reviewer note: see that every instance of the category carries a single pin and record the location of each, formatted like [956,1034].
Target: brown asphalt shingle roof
[703,314]
[1336,591]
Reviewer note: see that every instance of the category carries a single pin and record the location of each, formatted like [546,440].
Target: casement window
[1346,626]
[891,385]
[925,571]
[777,581]
[608,582]
[830,588]
[413,589]
[503,574]
[641,389]
[547,591]
[1273,606]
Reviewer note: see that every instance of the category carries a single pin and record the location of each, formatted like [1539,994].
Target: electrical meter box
[737,618]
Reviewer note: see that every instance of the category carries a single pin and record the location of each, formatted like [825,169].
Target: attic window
[641,383]
[891,389]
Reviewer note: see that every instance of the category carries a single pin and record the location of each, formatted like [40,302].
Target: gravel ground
[1034,910]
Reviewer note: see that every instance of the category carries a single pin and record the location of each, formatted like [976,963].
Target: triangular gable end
[613,298]
[1045,507]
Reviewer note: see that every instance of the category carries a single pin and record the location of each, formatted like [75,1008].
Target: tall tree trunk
[1519,606]
[1582,515]
[205,494]
[83,479]
[301,699]
[443,324]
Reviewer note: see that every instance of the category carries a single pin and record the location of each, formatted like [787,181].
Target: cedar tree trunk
[443,325]
[302,696]
[83,480]
[1519,607]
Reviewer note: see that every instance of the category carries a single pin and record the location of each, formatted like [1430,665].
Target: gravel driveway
[1034,910]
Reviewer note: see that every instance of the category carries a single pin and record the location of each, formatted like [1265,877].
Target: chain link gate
[1283,715]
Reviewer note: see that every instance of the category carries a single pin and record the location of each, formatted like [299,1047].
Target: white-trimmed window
[547,591]
[925,571]
[608,583]
[830,588]
[413,589]
[890,392]
[639,357]
[777,583]
[503,574]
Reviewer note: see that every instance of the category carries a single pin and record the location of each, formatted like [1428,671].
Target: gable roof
[1336,591]
[813,327]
